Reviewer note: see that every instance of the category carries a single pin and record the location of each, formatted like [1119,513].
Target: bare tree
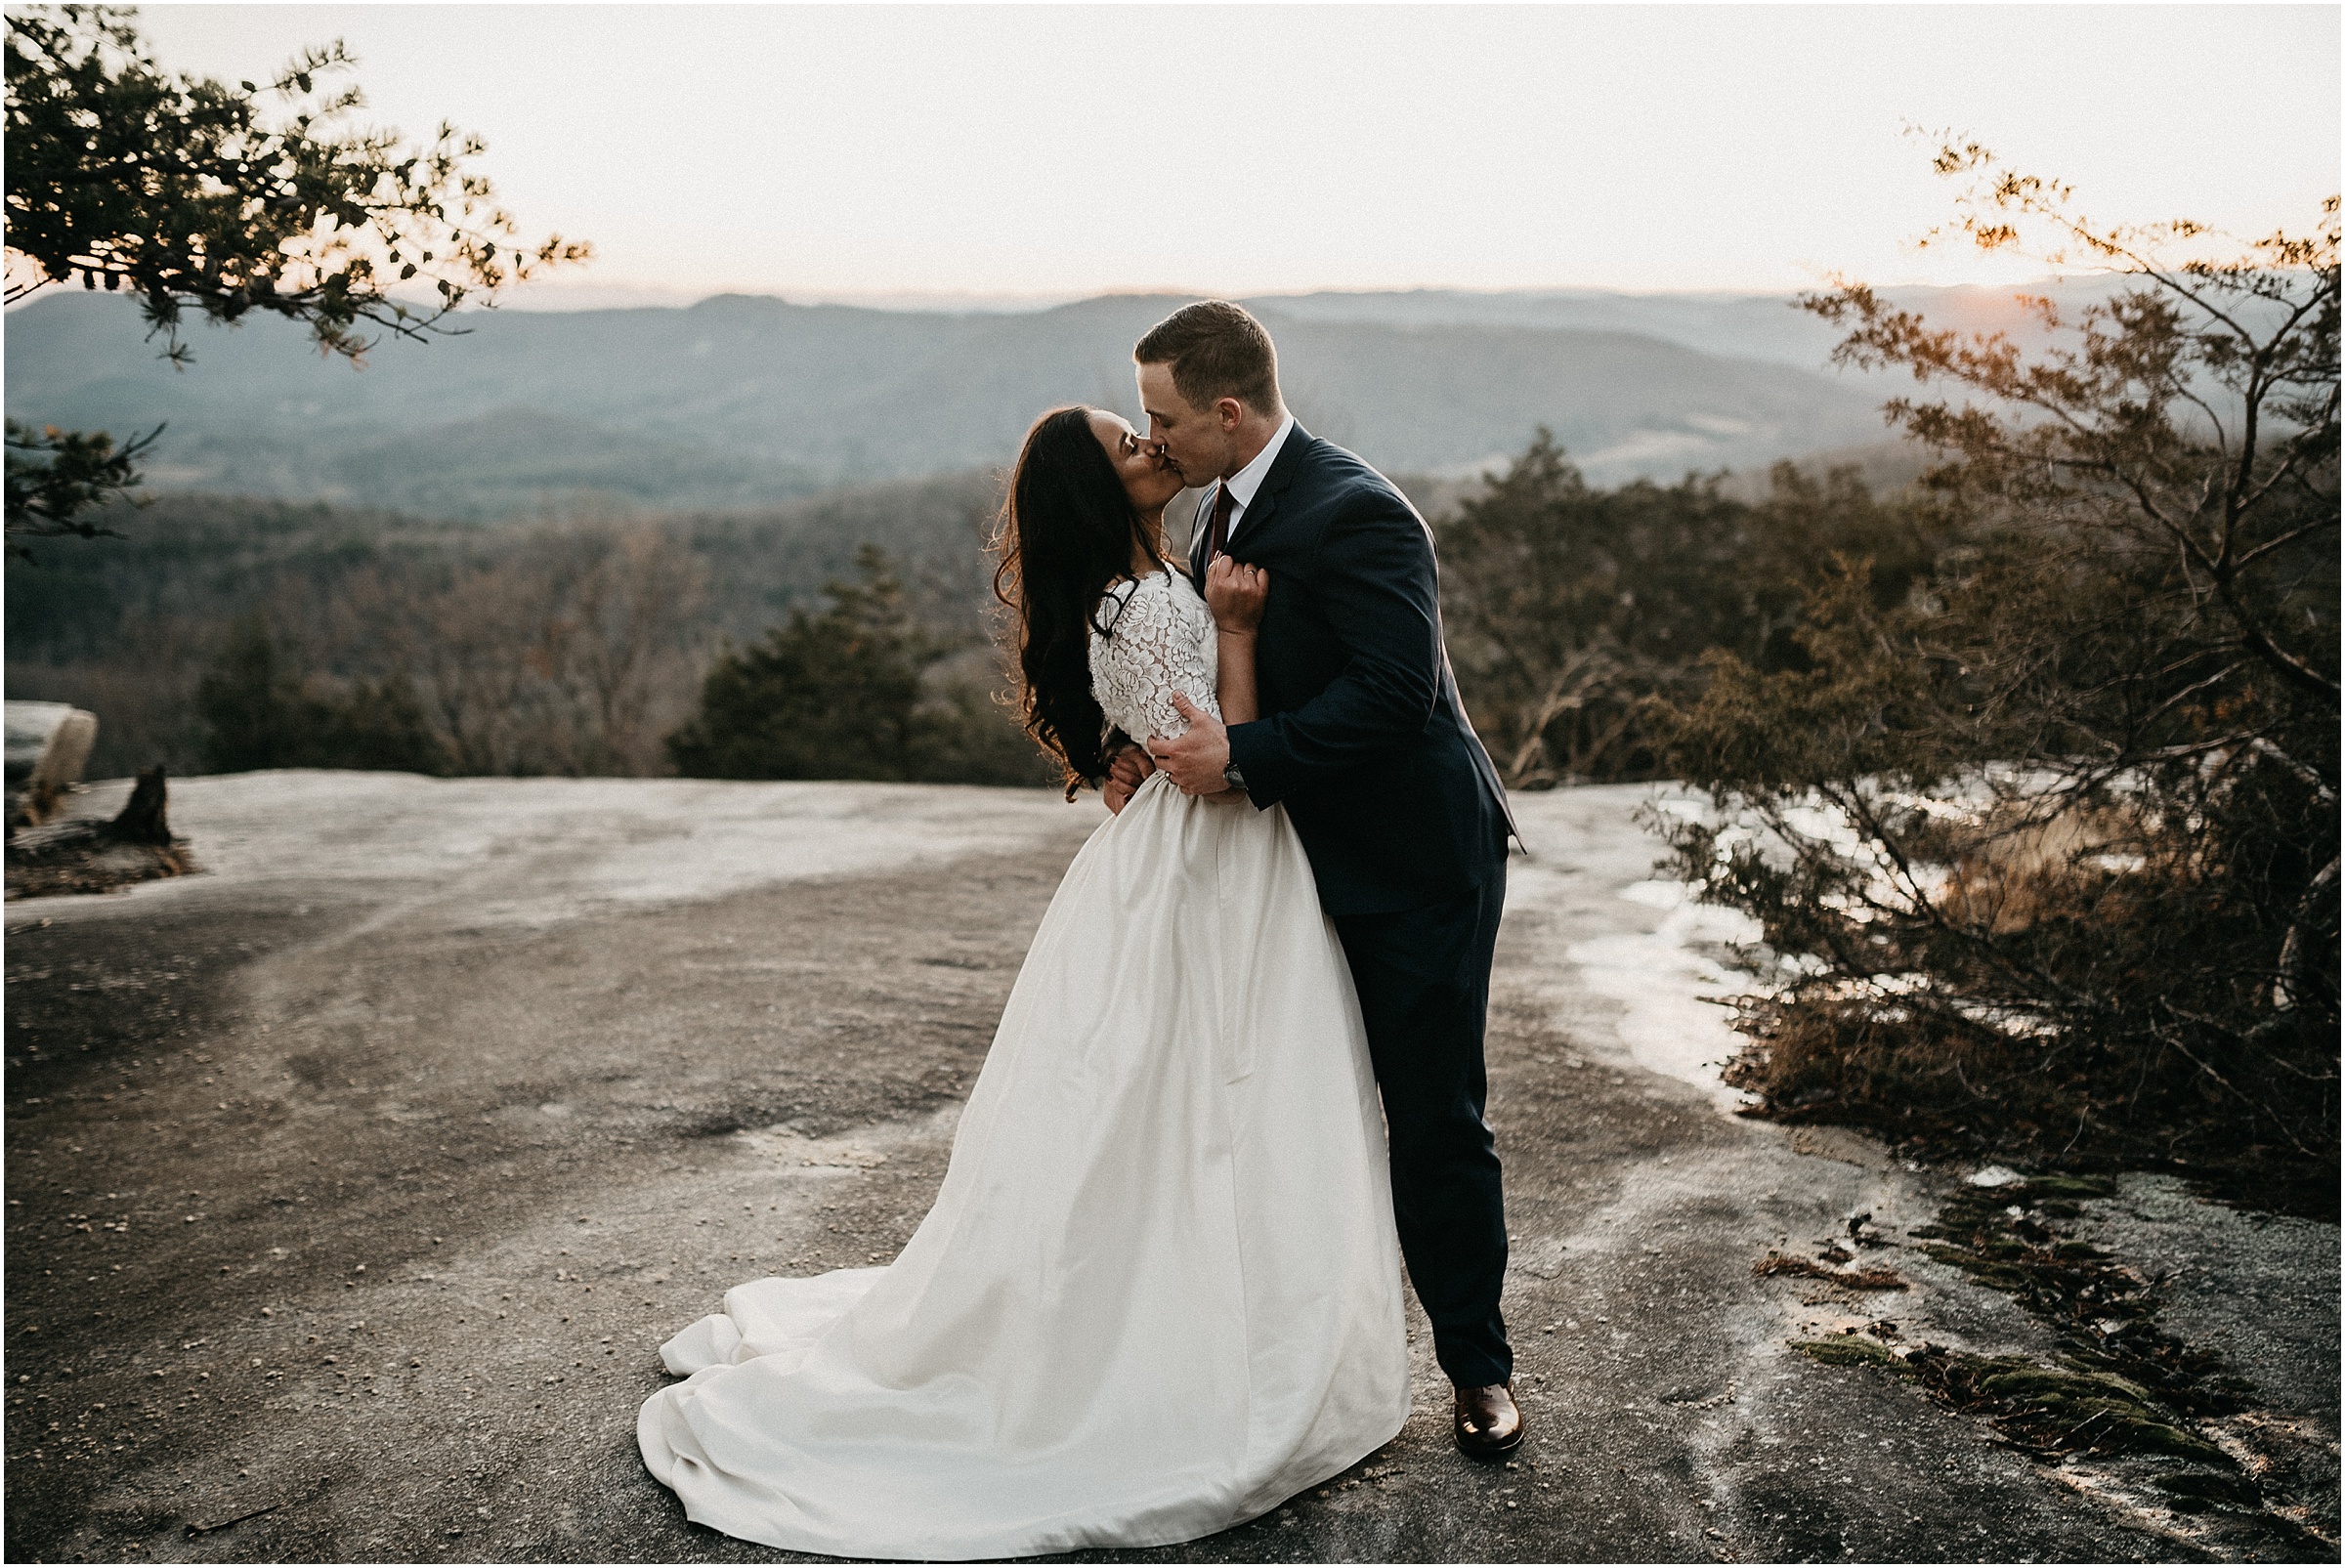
[630,595]
[2050,846]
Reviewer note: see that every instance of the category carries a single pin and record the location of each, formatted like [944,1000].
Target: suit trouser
[1424,981]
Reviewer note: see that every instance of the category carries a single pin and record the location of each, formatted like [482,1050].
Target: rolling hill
[744,400]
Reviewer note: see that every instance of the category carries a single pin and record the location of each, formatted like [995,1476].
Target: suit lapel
[1283,469]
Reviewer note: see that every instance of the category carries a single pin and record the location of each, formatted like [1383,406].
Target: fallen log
[47,745]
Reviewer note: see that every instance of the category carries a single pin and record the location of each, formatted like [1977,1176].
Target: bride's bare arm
[1236,594]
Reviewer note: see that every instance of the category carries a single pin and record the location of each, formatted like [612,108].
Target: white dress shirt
[1245,482]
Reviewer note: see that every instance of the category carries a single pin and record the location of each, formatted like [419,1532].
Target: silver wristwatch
[1231,776]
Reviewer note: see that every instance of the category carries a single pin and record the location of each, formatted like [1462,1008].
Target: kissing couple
[1160,1291]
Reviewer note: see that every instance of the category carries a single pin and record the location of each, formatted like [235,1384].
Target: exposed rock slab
[359,1180]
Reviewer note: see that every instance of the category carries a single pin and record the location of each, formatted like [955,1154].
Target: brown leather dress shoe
[1487,1422]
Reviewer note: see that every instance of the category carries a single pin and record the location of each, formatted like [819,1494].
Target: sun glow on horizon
[984,153]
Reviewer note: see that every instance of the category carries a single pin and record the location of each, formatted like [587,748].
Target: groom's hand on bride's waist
[1195,760]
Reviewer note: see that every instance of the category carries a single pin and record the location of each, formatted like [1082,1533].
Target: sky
[847,152]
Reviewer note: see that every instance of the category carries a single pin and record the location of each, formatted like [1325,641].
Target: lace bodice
[1158,640]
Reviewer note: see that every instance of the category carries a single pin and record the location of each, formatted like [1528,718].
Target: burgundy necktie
[1216,538]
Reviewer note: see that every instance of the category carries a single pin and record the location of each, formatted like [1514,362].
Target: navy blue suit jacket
[1363,737]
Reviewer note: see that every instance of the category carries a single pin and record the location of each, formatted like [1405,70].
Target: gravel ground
[352,1184]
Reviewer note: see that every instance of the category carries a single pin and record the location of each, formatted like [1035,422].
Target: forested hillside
[387,640]
[128,626]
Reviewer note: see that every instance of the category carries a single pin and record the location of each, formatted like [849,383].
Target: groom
[1364,740]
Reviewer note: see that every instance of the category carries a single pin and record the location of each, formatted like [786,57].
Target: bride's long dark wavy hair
[1067,530]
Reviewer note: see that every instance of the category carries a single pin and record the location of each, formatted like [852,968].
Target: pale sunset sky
[839,151]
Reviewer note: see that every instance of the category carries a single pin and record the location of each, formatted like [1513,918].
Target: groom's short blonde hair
[1217,350]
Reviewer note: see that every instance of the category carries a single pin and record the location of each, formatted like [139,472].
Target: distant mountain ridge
[743,401]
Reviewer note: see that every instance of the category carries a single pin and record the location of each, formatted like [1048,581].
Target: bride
[1160,1291]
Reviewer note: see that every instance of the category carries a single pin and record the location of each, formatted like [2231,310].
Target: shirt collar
[1247,481]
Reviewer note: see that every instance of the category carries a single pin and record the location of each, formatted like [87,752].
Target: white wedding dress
[1160,1291]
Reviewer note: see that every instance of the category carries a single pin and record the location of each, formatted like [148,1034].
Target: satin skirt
[1158,1293]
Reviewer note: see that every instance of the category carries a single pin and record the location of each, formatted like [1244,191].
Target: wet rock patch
[2120,1392]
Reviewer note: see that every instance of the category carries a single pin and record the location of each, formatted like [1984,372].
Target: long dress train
[1158,1291]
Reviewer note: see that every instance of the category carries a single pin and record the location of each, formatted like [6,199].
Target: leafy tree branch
[82,471]
[224,198]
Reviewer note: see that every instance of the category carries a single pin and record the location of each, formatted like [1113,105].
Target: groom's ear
[1230,412]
